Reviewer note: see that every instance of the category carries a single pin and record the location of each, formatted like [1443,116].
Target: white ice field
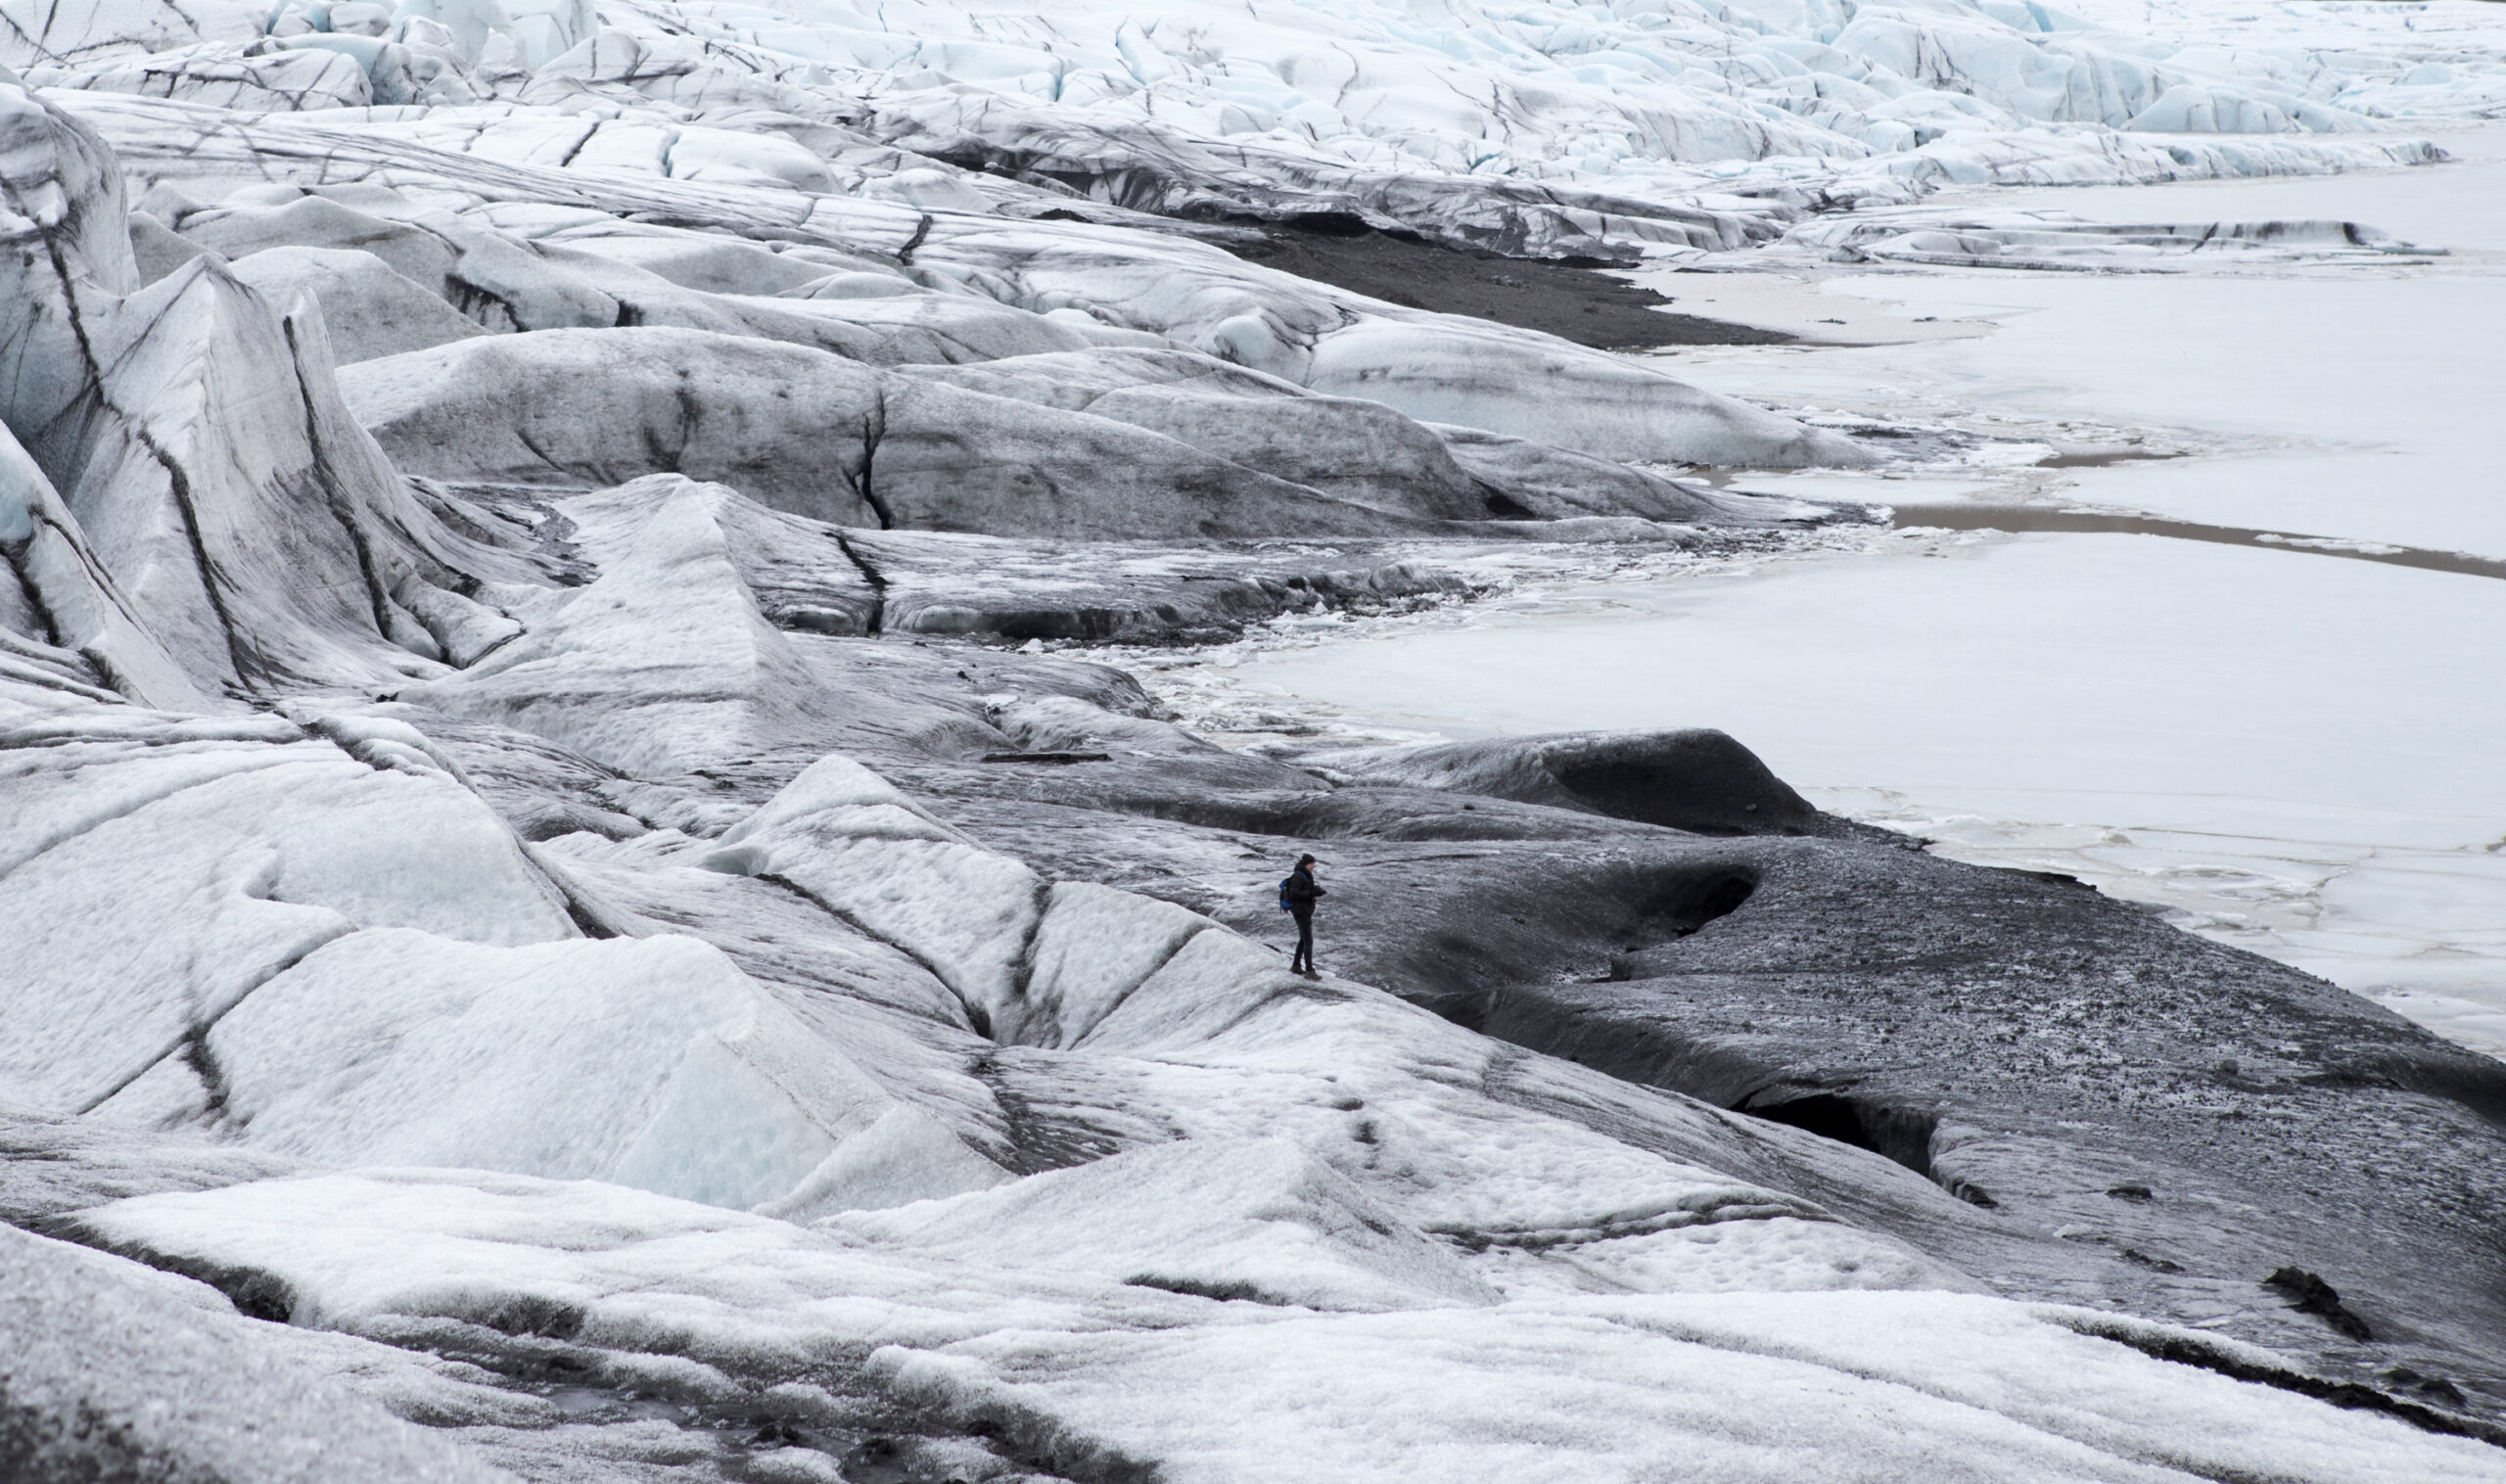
[717,1113]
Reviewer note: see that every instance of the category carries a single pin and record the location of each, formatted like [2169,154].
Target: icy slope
[1092,1379]
[847,1006]
[517,899]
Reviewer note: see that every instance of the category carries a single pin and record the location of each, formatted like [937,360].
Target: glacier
[584,904]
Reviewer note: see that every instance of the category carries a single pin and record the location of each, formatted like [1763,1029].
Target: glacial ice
[845,837]
[484,490]
[1092,1370]
[196,1389]
[812,433]
[652,1062]
[1094,948]
[2057,240]
[245,854]
[1381,1396]
[61,594]
[663,663]
[1258,1220]
[367,310]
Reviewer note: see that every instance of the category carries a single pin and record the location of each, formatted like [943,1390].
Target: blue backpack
[1286,906]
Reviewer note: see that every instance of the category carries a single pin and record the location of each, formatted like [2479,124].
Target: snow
[2358,845]
[2398,454]
[1254,1218]
[163,1377]
[1497,1387]
[1078,1369]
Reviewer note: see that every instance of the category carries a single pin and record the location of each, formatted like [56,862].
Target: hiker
[1297,896]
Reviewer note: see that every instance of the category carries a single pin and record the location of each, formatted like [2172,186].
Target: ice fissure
[248,667]
[293,325]
[191,1044]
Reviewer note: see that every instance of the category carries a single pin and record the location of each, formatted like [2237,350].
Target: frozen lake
[2297,753]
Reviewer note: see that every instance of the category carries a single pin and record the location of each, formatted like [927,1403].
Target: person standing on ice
[1297,896]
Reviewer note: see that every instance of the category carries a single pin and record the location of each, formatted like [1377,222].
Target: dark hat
[1307,861]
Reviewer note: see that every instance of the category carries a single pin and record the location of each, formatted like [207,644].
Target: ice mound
[1699,780]
[56,586]
[804,575]
[366,1253]
[118,1371]
[167,868]
[1582,400]
[651,1063]
[663,664]
[1257,1219]
[1095,946]
[193,431]
[348,958]
[808,433]
[1349,447]
[843,836]
[367,310]
[1432,367]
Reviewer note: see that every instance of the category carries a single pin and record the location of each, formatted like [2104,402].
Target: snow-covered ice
[565,922]
[1090,1372]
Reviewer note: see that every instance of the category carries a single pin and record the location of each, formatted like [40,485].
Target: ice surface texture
[1545,128]
[513,932]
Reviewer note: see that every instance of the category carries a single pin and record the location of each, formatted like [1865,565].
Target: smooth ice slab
[650,1062]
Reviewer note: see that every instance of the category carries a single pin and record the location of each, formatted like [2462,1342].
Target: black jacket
[1300,892]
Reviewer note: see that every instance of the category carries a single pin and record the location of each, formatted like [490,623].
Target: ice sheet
[2352,400]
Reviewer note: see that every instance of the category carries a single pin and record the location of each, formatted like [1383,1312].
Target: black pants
[1304,958]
